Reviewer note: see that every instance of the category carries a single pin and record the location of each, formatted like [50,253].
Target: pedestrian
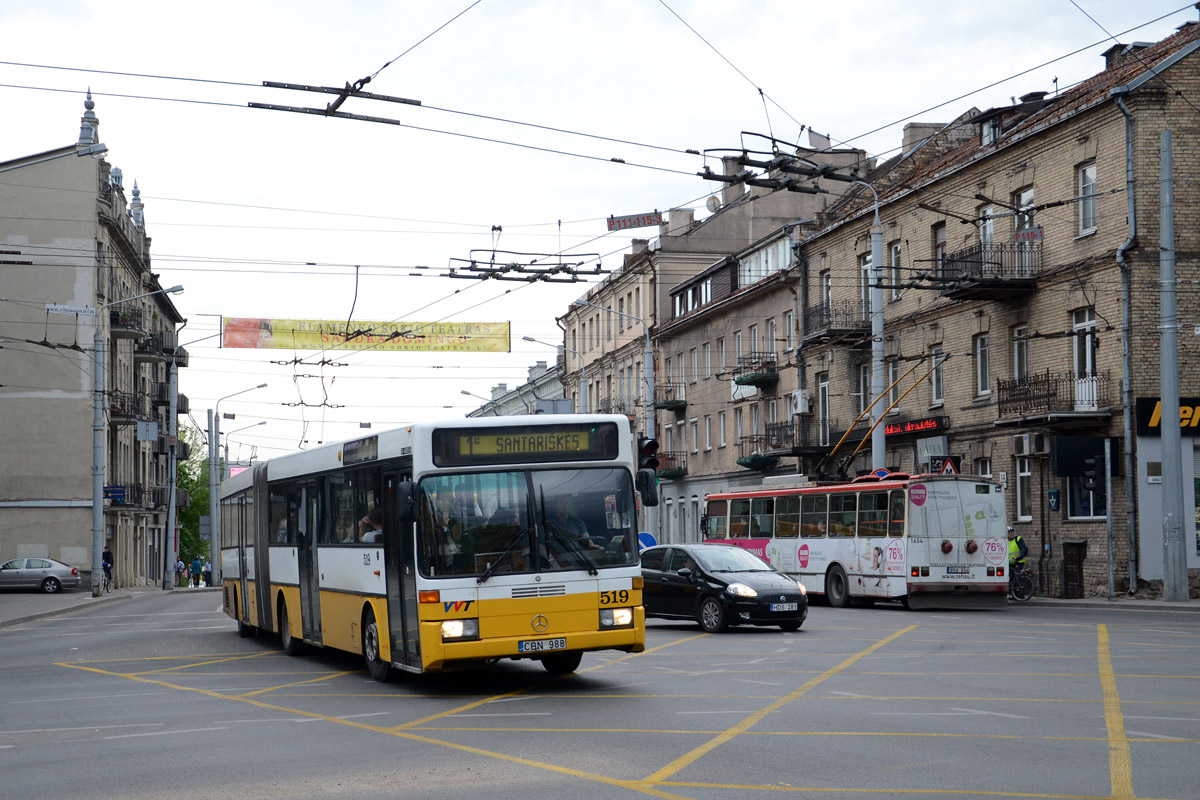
[180,571]
[197,568]
[207,572]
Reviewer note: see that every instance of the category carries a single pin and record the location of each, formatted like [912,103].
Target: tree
[193,476]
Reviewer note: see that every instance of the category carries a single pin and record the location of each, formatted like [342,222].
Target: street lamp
[583,403]
[214,491]
[98,434]
[229,435]
[480,397]
[649,358]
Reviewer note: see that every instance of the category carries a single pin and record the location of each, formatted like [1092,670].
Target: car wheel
[790,627]
[711,615]
[837,589]
[51,585]
[562,663]
[291,645]
[379,669]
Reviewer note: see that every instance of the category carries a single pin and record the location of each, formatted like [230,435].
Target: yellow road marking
[890,791]
[753,719]
[643,653]
[300,683]
[1120,767]
[201,664]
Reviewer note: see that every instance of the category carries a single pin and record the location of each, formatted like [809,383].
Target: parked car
[38,573]
[719,585]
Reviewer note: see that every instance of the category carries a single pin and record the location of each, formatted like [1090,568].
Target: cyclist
[107,562]
[1017,551]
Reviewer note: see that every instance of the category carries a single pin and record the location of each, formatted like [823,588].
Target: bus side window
[718,521]
[842,514]
[739,519]
[762,516]
[813,521]
[872,514]
[896,513]
[787,517]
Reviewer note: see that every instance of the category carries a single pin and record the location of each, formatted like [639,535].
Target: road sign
[1029,235]
[83,311]
[945,465]
[635,221]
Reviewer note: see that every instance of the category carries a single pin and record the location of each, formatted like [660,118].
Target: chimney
[731,191]
[917,132]
[537,370]
[679,220]
[499,390]
[1033,97]
[1118,54]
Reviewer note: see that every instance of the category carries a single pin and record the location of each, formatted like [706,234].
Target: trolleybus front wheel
[562,663]
[379,669]
[837,590]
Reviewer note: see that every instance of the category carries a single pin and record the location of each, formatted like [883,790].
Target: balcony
[160,395]
[753,453]
[162,445]
[126,495]
[670,396]
[618,405]
[181,358]
[1049,393]
[672,465]
[991,271]
[757,369]
[834,319]
[126,321]
[126,406]
[155,498]
[183,450]
[183,498]
[181,404]
[154,348]
[803,436]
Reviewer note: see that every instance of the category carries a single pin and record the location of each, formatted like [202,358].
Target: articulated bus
[924,540]
[438,546]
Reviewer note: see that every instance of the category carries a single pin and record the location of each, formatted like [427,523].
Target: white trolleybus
[925,540]
[443,545]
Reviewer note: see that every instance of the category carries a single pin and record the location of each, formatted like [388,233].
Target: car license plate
[784,606]
[958,569]
[538,645]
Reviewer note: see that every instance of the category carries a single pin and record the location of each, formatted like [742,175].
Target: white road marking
[166,733]
[1145,735]
[89,728]
[762,683]
[80,699]
[1169,719]
[732,711]
[953,712]
[525,714]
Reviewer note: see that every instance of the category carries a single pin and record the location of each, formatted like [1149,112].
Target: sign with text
[635,221]
[923,425]
[1149,416]
[318,334]
[1029,235]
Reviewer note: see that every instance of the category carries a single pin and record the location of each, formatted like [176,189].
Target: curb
[1124,605]
[90,602]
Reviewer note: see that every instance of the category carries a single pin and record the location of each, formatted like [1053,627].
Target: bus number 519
[614,598]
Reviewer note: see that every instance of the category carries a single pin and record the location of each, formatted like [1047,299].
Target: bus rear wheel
[562,663]
[291,645]
[245,631]
[379,669]
[837,589]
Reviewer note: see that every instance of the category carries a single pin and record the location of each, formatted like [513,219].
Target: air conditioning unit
[1031,444]
[1021,444]
[800,402]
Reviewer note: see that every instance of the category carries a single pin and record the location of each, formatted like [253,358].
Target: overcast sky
[271,214]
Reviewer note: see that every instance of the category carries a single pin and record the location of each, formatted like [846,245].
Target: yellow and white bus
[437,546]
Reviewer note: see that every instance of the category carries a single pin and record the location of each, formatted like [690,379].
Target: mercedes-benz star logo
[540,623]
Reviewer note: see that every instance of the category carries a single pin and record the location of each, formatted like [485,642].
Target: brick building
[1021,312]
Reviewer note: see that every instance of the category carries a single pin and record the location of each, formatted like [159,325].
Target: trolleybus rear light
[429,596]
[991,572]
[972,546]
[947,545]
[925,572]
[999,572]
[916,572]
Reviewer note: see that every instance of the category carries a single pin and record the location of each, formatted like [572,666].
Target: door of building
[1073,555]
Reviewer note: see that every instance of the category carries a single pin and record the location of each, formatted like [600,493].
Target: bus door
[254,540]
[401,579]
[309,499]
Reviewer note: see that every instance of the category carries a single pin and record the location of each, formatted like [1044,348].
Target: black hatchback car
[719,585]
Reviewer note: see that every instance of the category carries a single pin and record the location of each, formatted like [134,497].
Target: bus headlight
[616,617]
[460,629]
[741,590]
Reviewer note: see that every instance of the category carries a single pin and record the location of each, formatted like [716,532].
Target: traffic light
[1089,473]
[647,478]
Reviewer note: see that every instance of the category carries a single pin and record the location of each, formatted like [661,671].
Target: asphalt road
[157,697]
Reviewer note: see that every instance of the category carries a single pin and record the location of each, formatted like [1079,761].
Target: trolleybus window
[787,517]
[739,519]
[813,509]
[841,514]
[718,526]
[762,516]
[896,513]
[872,514]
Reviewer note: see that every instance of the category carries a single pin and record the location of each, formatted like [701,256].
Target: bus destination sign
[524,444]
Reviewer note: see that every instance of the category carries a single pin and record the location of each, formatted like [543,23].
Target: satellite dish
[714,204]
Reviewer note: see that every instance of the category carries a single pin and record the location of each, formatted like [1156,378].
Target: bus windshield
[525,521]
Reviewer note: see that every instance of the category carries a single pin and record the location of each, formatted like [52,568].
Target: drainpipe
[1126,345]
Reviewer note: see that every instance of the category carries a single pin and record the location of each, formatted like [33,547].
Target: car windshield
[526,521]
[729,559]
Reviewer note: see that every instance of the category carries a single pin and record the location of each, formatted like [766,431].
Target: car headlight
[741,590]
[616,617]
[460,629]
[803,591]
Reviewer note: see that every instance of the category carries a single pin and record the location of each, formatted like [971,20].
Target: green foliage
[193,476]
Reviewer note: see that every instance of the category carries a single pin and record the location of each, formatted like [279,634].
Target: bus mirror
[406,494]
[647,486]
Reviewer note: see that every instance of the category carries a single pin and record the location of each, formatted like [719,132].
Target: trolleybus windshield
[525,521]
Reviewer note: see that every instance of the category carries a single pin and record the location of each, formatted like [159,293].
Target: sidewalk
[20,607]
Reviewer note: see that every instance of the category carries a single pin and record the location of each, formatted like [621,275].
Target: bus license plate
[958,569]
[538,645]
[784,606]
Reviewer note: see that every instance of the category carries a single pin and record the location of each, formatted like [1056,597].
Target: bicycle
[1020,582]
[108,581]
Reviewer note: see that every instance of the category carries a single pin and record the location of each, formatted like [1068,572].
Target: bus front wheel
[379,669]
[837,589]
[291,645]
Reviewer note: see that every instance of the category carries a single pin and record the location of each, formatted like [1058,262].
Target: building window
[987,227]
[1087,386]
[788,330]
[669,435]
[667,369]
[983,467]
[862,395]
[1085,504]
[894,254]
[864,284]
[737,345]
[708,433]
[1023,200]
[990,131]
[769,345]
[823,418]
[983,371]
[936,391]
[753,339]
[737,426]
[695,435]
[1024,489]
[721,427]
[826,288]
[1020,353]
[707,360]
[939,249]
[893,381]
[1087,197]
[695,365]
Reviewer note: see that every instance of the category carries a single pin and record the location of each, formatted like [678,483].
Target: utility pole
[875,297]
[1175,583]
[171,541]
